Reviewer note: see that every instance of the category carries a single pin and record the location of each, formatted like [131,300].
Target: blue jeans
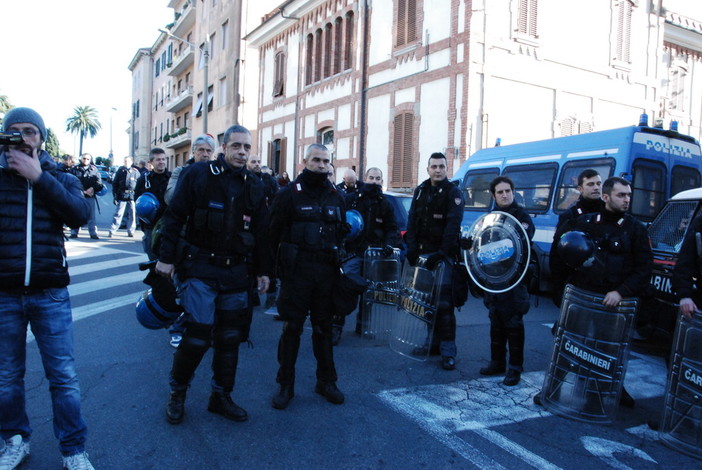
[119,213]
[92,220]
[48,312]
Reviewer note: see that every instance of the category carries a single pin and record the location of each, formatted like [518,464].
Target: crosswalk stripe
[104,283]
[89,310]
[113,263]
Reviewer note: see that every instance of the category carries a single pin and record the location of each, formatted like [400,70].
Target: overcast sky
[57,55]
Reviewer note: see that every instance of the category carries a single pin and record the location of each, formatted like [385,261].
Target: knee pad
[228,338]
[197,337]
[293,328]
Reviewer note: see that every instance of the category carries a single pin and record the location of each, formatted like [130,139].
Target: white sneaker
[16,449]
[77,462]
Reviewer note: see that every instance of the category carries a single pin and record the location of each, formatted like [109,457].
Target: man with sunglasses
[35,202]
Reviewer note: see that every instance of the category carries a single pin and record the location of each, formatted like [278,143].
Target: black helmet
[347,292]
[575,248]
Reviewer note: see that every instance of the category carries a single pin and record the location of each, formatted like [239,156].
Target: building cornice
[683,31]
[144,51]
[279,20]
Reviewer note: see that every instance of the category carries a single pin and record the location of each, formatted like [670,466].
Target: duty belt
[325,257]
[218,260]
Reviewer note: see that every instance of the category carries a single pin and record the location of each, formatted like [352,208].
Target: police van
[659,163]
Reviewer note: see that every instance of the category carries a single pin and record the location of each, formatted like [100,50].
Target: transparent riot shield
[681,427]
[499,256]
[585,377]
[380,300]
[413,323]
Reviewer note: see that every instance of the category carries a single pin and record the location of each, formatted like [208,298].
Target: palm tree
[83,122]
[5,106]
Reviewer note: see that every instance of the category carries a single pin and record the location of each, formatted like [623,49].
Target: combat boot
[330,391]
[493,368]
[282,399]
[221,403]
[175,409]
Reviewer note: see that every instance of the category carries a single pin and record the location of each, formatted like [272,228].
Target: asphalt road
[399,413]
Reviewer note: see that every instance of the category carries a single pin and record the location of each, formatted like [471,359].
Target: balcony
[182,62]
[185,19]
[182,100]
[179,140]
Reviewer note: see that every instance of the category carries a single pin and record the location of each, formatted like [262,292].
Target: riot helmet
[153,315]
[355,221]
[575,248]
[147,206]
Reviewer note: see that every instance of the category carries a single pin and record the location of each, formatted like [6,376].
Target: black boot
[175,409]
[493,368]
[222,404]
[282,399]
[330,391]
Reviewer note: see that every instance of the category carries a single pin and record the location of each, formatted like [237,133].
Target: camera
[11,138]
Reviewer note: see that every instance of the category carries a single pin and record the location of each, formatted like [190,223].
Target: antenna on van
[498,141]
[643,120]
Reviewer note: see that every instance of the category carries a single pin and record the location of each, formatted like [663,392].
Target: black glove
[433,260]
[466,243]
[388,251]
[412,257]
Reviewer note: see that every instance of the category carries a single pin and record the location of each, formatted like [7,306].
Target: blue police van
[659,163]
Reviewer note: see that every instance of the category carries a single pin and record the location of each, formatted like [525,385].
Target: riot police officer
[433,229]
[222,208]
[623,256]
[688,270]
[379,230]
[507,308]
[155,182]
[307,229]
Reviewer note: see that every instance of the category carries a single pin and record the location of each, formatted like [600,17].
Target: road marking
[97,268]
[604,449]
[104,283]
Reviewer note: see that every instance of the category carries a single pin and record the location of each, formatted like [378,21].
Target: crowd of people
[228,228]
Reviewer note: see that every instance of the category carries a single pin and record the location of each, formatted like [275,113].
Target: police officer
[307,229]
[155,182]
[350,183]
[688,270]
[590,200]
[433,229]
[507,308]
[379,230]
[221,206]
[623,251]
[270,185]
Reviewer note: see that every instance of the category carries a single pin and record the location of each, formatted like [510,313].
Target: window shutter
[411,21]
[308,62]
[348,46]
[401,22]
[318,55]
[397,150]
[338,44]
[407,149]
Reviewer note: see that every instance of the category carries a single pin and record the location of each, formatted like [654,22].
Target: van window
[533,185]
[668,230]
[568,182]
[682,178]
[648,189]
[476,188]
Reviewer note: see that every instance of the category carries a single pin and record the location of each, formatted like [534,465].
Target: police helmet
[355,221]
[575,248]
[146,207]
[103,191]
[152,315]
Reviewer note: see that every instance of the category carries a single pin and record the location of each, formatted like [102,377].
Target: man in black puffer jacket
[35,202]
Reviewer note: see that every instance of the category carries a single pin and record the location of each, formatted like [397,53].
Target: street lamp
[206,55]
[111,154]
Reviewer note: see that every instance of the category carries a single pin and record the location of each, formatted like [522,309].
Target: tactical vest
[221,221]
[372,210]
[316,224]
[431,212]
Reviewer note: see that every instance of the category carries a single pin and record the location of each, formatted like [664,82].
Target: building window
[210,97]
[308,59]
[318,55]
[348,43]
[406,25]
[158,67]
[403,152]
[327,50]
[222,92]
[225,35]
[277,151]
[338,45]
[624,9]
[279,74]
[326,137]
[526,21]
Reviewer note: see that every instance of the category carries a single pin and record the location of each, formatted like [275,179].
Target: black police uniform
[434,228]
[346,189]
[307,230]
[688,268]
[224,246]
[506,310]
[379,230]
[623,254]
[156,184]
[90,178]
